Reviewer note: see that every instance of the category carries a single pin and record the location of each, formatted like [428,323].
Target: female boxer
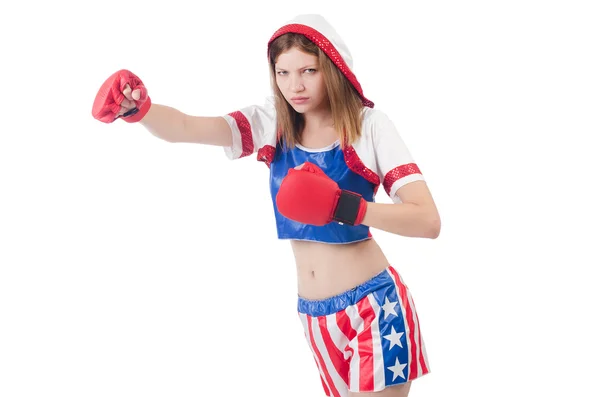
[327,150]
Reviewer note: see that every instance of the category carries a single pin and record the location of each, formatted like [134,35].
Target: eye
[282,72]
[310,71]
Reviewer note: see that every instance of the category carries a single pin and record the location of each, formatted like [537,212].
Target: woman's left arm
[415,216]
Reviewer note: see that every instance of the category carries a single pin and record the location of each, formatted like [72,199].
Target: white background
[130,266]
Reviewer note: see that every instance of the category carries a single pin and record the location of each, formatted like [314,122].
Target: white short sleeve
[393,161]
[252,128]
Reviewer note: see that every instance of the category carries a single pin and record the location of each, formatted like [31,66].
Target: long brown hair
[345,103]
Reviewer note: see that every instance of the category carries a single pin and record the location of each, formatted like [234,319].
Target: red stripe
[365,346]
[266,154]
[398,173]
[320,358]
[245,131]
[325,388]
[327,393]
[358,167]
[411,325]
[337,357]
[345,325]
[424,368]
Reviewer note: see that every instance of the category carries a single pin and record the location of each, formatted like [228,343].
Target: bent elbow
[434,228]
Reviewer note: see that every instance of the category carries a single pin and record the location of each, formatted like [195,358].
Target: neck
[318,129]
[318,120]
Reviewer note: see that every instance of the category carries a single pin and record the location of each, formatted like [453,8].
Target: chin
[299,109]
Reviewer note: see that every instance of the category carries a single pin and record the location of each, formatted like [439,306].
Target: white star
[388,308]
[394,338]
[397,369]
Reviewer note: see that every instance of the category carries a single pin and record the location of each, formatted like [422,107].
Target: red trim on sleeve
[398,173]
[246,132]
[266,154]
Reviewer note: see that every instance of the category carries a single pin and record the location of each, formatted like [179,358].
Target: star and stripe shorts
[367,338]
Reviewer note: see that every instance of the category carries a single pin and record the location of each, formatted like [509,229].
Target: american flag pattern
[367,338]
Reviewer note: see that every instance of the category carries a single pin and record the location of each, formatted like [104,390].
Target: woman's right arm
[172,125]
[124,95]
[242,132]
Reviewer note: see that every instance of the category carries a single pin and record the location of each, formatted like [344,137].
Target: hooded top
[379,157]
[320,32]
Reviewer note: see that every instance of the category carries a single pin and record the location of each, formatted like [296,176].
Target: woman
[327,151]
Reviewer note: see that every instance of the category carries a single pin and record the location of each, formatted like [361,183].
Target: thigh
[390,391]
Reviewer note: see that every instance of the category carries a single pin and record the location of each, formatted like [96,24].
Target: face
[300,81]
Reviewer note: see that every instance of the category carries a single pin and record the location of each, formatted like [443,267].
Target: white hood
[319,31]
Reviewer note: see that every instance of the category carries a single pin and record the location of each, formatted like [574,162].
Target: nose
[296,84]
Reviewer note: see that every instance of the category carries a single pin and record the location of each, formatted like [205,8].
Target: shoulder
[373,115]
[253,129]
[376,122]
[265,112]
[376,125]
[364,149]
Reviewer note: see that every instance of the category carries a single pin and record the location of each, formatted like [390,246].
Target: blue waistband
[339,302]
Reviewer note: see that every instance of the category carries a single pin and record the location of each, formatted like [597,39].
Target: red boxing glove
[309,196]
[107,103]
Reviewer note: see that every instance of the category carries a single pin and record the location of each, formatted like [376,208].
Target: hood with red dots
[319,31]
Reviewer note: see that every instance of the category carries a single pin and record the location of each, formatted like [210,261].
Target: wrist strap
[347,208]
[136,114]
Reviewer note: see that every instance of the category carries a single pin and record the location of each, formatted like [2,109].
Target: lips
[299,99]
